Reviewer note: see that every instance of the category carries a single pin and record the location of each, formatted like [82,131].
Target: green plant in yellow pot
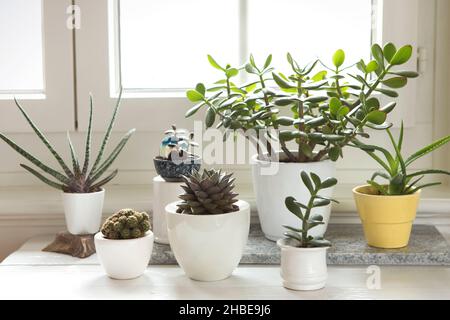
[387,210]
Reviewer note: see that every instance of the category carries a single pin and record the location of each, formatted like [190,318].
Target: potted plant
[387,210]
[82,185]
[124,245]
[329,106]
[208,229]
[303,256]
[176,157]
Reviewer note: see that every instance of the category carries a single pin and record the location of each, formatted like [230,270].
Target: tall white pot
[83,211]
[272,186]
[208,247]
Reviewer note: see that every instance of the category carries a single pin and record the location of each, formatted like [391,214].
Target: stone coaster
[426,247]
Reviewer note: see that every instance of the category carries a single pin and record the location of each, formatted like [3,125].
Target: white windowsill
[38,203]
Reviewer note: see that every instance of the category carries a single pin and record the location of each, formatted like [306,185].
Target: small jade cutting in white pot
[82,184]
[209,229]
[304,257]
[125,244]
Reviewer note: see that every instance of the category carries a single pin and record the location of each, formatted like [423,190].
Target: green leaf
[285,121]
[372,103]
[319,76]
[372,66]
[87,152]
[317,217]
[105,180]
[200,87]
[232,72]
[402,55]
[321,203]
[376,117]
[286,135]
[251,69]
[213,63]
[42,178]
[319,243]
[328,183]
[396,82]
[281,82]
[307,182]
[389,93]
[210,118]
[389,107]
[316,179]
[334,153]
[389,51]
[429,171]
[293,229]
[194,95]
[306,150]
[339,58]
[333,137]
[377,53]
[194,109]
[292,206]
[268,61]
[335,105]
[428,149]
[407,74]
[75,163]
[316,99]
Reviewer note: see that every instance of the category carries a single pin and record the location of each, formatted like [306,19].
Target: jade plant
[304,212]
[329,106]
[400,180]
[177,143]
[208,192]
[126,224]
[82,177]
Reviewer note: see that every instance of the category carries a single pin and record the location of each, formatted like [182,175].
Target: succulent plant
[330,105]
[126,224]
[304,211]
[209,192]
[79,179]
[177,145]
[396,173]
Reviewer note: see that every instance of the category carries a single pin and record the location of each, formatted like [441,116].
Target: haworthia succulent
[87,151]
[75,162]
[42,178]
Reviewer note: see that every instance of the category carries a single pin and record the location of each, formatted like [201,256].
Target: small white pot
[83,211]
[272,189]
[303,268]
[124,259]
[208,247]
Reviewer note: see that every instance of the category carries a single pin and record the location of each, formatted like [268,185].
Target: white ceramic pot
[208,247]
[83,211]
[273,186]
[124,259]
[303,268]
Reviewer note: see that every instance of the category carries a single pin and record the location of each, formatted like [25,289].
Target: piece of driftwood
[76,246]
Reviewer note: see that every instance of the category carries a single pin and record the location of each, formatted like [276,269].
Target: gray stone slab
[427,247]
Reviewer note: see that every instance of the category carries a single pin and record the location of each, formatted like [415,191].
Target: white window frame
[155,112]
[53,109]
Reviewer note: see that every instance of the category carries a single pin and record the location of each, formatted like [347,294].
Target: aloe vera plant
[330,105]
[304,211]
[399,180]
[81,178]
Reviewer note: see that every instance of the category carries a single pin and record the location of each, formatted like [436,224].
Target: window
[35,69]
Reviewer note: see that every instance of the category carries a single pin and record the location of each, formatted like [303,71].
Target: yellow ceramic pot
[387,220]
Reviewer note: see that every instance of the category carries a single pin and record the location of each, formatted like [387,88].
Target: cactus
[80,178]
[126,224]
[177,145]
[210,192]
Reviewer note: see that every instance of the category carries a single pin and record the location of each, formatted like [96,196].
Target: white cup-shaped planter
[124,259]
[303,268]
[83,211]
[208,247]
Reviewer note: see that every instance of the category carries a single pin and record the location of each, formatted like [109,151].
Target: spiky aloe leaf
[35,161]
[107,134]
[109,161]
[42,178]
[45,141]
[75,163]
[88,140]
[105,181]
[430,171]
[430,148]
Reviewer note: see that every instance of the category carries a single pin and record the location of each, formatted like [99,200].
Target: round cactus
[126,224]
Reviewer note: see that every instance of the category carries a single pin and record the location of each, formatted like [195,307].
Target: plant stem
[305,225]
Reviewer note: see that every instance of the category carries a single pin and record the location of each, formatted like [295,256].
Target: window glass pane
[21,57]
[309,29]
[163,44]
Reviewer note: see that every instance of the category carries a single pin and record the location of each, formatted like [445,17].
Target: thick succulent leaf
[45,141]
[104,181]
[42,178]
[87,151]
[307,181]
[328,183]
[75,163]
[108,133]
[35,161]
[318,243]
[292,206]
